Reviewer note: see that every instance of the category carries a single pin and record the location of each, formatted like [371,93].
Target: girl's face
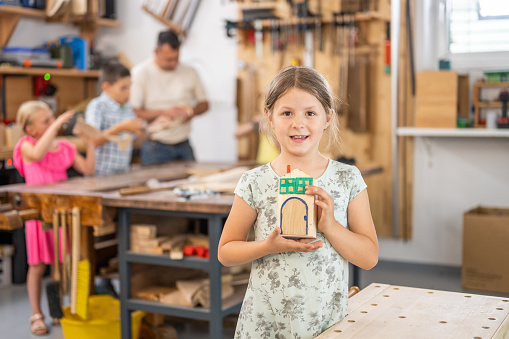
[39,122]
[299,120]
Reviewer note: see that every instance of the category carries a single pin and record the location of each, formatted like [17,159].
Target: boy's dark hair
[112,71]
[168,37]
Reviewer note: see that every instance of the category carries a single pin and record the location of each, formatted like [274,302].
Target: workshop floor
[15,307]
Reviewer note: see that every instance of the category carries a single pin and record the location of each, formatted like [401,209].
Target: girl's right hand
[277,243]
[63,118]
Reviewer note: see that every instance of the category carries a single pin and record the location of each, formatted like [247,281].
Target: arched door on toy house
[294,216]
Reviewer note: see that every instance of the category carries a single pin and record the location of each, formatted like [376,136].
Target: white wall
[207,49]
[451,175]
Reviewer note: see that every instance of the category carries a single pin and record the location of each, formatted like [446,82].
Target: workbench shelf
[453,132]
[218,308]
[164,260]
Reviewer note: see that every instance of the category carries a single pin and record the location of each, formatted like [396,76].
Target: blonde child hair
[308,80]
[27,110]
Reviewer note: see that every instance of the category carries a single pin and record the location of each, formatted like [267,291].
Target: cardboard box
[486,249]
[441,96]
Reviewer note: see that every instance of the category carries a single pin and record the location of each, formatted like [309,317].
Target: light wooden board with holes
[389,311]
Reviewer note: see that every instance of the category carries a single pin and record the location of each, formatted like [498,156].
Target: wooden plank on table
[391,311]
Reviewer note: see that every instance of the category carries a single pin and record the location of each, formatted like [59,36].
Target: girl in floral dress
[298,288]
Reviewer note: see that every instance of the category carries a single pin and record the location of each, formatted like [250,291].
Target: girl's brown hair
[308,80]
[27,110]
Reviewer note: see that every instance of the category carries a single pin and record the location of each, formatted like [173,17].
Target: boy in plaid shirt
[111,113]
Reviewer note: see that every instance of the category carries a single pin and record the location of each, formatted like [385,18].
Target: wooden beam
[7,25]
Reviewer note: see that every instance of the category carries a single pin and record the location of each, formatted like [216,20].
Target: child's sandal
[37,325]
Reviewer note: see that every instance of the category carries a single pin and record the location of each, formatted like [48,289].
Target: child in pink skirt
[42,159]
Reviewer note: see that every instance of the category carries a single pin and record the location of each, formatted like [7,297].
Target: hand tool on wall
[53,287]
[503,122]
[259,38]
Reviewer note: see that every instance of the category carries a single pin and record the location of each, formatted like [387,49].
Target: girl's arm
[359,243]
[235,250]
[86,165]
[34,153]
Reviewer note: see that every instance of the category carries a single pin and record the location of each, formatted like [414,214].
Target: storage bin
[103,320]
[497,76]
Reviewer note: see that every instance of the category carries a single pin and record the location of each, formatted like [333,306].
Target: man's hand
[176,112]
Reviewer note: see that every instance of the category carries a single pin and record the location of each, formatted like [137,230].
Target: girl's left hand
[325,203]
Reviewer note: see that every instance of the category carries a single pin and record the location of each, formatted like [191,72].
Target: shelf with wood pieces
[453,132]
[10,16]
[177,15]
[479,104]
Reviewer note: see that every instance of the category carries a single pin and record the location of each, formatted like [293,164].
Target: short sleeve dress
[51,168]
[295,295]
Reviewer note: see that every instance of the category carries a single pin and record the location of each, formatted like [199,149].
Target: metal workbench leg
[215,227]
[124,270]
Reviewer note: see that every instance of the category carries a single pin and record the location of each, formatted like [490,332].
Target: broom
[80,282]
[53,287]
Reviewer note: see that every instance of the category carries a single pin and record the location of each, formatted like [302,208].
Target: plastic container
[103,320]
[497,76]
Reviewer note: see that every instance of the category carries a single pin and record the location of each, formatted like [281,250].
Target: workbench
[96,195]
[389,311]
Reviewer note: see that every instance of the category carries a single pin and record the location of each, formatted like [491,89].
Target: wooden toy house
[297,212]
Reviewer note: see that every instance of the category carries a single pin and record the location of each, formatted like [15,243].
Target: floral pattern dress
[295,295]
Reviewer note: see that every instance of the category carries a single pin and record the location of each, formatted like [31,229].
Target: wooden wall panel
[372,146]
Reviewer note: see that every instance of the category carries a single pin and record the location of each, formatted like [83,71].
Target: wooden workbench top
[104,191]
[388,311]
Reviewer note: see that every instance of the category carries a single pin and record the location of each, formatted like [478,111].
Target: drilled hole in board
[402,317]
[477,337]
[364,312]
[386,295]
[431,292]
[374,304]
[486,327]
[339,331]
[492,318]
[506,301]
[443,322]
[468,296]
[500,308]
[396,288]
[351,321]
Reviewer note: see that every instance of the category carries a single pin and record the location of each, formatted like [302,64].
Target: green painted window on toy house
[294,185]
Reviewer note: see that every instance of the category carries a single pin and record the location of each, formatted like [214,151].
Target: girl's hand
[277,244]
[63,118]
[325,203]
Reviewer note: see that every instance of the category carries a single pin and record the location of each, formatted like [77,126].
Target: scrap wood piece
[154,293]
[91,132]
[197,292]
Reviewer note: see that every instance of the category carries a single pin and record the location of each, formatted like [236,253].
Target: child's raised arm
[235,250]
[81,164]
[36,152]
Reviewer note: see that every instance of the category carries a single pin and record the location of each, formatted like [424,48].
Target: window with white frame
[478,26]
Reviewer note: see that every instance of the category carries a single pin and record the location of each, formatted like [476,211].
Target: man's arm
[148,115]
[201,108]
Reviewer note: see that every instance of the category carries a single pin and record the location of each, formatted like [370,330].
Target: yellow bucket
[103,320]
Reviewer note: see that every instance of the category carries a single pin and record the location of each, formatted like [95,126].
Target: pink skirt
[40,243]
